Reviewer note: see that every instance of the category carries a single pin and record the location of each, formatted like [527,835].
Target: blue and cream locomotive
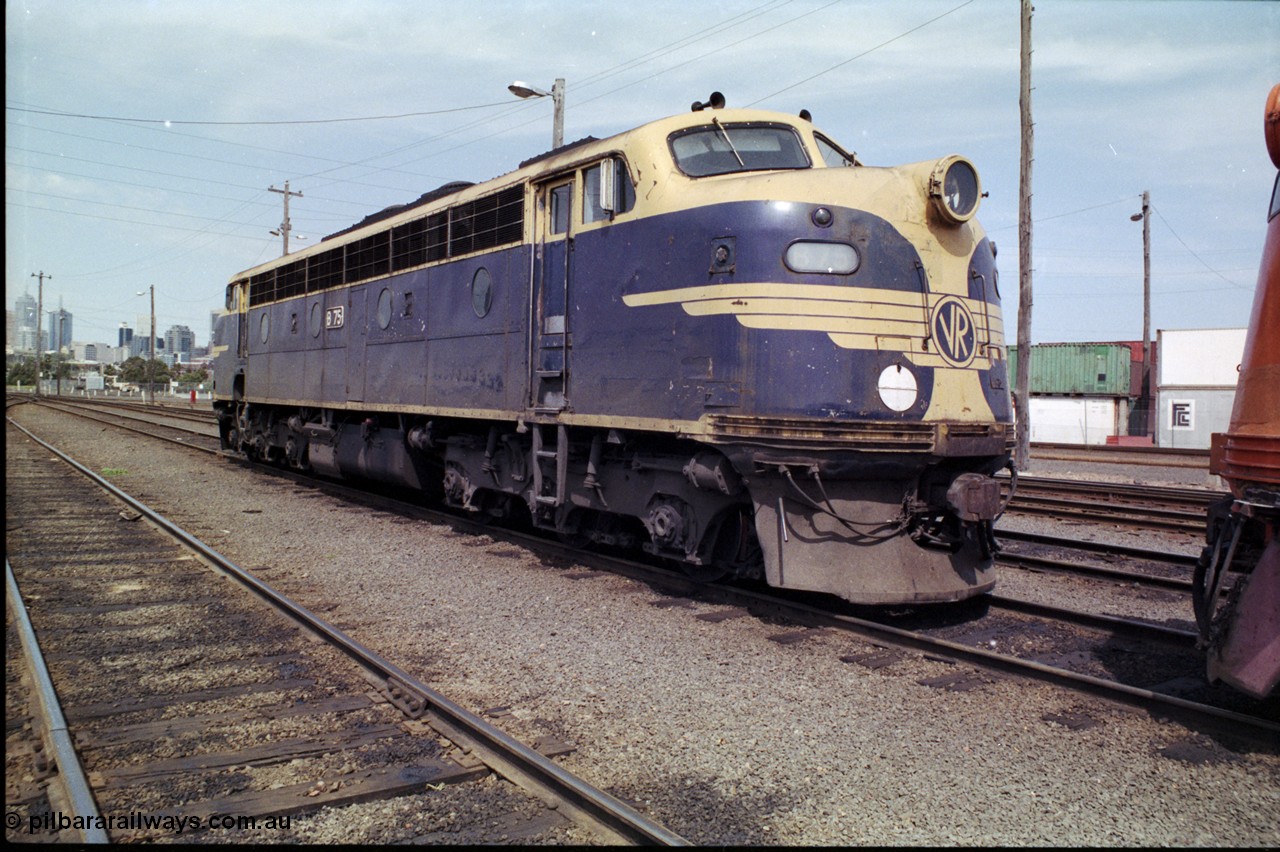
[717,336]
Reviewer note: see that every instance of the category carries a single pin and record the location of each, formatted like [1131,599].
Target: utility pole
[1145,400]
[1021,398]
[39,319]
[285,227]
[57,369]
[151,365]
[557,102]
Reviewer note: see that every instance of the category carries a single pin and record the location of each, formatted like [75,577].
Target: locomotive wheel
[734,552]
[708,573]
[576,533]
[576,540]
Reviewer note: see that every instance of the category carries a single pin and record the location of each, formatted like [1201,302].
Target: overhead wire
[870,50]
[172,152]
[166,125]
[699,35]
[170,122]
[1192,252]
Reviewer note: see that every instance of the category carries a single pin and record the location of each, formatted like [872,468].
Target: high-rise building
[141,344]
[25,307]
[125,335]
[26,323]
[59,328]
[180,341]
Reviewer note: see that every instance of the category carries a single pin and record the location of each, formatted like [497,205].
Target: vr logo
[954,330]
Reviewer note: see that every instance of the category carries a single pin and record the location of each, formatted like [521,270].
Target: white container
[1199,358]
[1077,419]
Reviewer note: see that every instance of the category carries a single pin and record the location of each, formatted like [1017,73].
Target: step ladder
[550,468]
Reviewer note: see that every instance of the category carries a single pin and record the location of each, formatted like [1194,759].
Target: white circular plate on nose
[897,387]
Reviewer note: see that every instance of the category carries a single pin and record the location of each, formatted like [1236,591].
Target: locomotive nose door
[549,338]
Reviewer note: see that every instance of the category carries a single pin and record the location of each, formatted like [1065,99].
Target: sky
[143,138]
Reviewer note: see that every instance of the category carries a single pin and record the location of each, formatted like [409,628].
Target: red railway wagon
[1240,627]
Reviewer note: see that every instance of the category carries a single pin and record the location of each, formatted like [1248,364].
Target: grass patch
[113,471]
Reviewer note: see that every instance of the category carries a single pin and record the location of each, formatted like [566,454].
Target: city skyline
[176,340]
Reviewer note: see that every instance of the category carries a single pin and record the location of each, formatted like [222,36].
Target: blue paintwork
[652,362]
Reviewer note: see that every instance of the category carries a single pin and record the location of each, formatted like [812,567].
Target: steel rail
[1112,623]
[888,635]
[90,413]
[70,770]
[1130,516]
[897,637]
[681,583]
[871,630]
[1043,563]
[1098,547]
[1175,493]
[512,759]
[177,412]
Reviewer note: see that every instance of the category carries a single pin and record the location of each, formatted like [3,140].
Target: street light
[151,363]
[522,89]
[1145,218]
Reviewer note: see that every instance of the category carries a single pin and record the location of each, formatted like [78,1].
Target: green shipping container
[1092,369]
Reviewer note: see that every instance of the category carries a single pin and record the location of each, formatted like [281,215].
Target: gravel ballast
[717,732]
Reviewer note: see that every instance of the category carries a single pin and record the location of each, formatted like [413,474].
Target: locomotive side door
[356,331]
[241,307]
[549,338]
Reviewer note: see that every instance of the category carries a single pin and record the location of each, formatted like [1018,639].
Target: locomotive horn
[806,115]
[716,101]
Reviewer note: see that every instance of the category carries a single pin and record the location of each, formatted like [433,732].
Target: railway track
[203,705]
[142,420]
[1143,507]
[197,412]
[1155,569]
[1129,661]
[1076,667]
[1115,454]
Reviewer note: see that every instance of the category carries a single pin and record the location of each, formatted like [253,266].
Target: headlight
[954,189]
[830,258]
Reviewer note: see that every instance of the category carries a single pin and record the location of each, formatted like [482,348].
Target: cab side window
[561,199]
[624,194]
[832,154]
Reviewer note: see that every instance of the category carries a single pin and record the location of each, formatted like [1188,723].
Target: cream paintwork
[853,317]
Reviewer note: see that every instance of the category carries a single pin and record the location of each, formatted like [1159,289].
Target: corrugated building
[1080,392]
[1093,369]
